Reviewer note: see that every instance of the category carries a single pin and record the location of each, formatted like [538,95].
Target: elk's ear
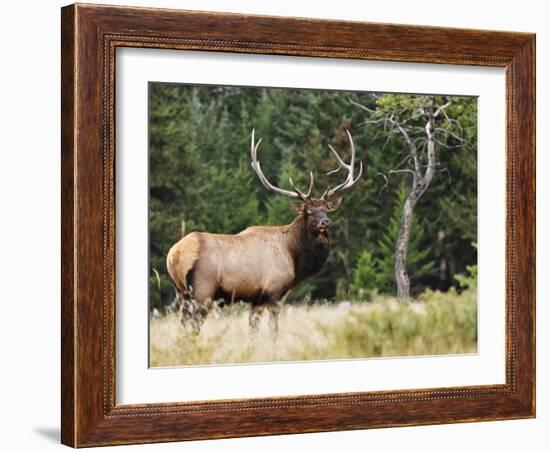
[333,205]
[300,207]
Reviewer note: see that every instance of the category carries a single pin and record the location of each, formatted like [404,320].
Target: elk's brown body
[260,264]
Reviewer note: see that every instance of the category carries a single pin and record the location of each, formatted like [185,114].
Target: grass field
[436,323]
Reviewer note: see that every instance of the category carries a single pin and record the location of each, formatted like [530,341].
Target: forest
[200,179]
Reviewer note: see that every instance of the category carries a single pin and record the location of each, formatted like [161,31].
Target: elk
[262,263]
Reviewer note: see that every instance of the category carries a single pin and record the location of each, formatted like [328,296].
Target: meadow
[435,323]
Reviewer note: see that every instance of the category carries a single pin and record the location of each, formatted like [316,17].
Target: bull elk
[262,263]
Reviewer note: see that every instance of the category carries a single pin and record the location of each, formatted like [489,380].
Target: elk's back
[247,265]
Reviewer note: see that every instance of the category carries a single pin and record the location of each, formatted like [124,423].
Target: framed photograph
[281,225]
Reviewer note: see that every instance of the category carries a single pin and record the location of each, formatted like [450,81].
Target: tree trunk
[401,248]
[420,184]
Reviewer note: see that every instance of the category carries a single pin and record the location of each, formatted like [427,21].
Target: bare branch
[385,183]
[410,143]
[449,146]
[403,161]
[454,135]
[402,171]
[372,121]
[363,107]
[430,151]
[442,109]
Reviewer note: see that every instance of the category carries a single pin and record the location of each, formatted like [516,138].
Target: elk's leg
[187,310]
[177,303]
[201,314]
[254,318]
[274,310]
[199,306]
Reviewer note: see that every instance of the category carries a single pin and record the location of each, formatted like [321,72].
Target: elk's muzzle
[325,223]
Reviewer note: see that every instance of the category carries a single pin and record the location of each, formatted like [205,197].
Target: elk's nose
[325,223]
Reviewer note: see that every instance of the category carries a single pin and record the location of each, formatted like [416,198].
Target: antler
[350,180]
[258,170]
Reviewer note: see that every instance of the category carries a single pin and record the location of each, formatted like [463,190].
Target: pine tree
[366,277]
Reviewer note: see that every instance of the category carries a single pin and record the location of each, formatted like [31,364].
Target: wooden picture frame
[90,36]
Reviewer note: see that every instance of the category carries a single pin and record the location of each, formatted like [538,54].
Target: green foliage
[469,280]
[440,323]
[199,160]
[365,277]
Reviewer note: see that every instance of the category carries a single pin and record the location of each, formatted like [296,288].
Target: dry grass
[438,323]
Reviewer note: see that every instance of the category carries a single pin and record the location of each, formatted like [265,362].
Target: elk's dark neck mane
[309,252]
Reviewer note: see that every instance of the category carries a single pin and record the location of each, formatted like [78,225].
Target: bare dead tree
[424,133]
